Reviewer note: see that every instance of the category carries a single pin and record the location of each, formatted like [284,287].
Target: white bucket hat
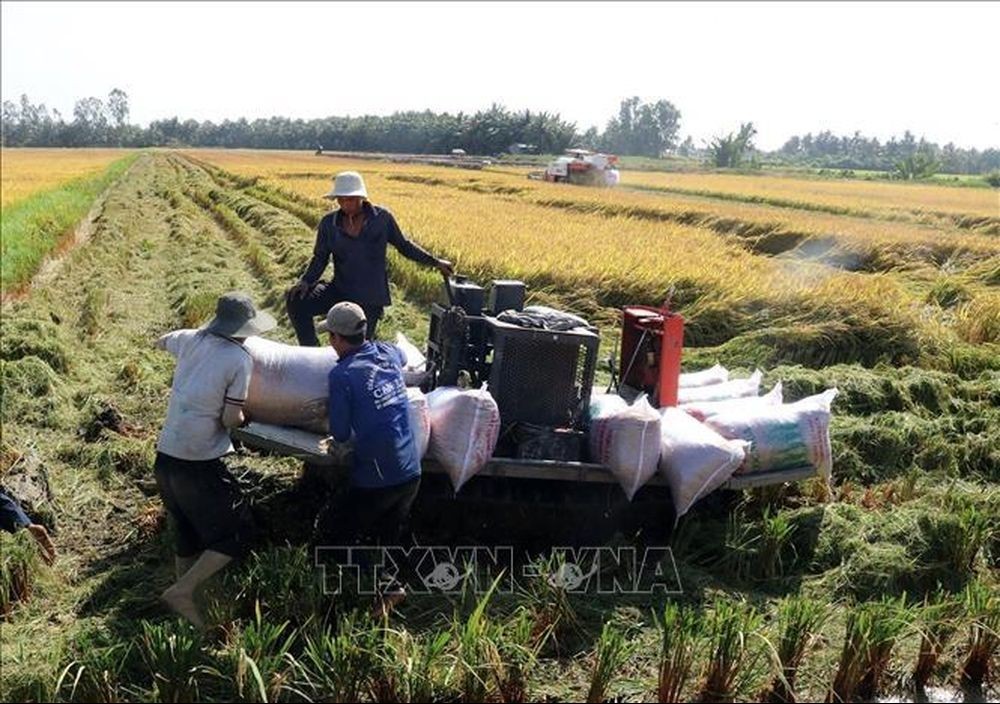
[347,184]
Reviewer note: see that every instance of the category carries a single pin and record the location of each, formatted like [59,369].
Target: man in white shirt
[211,518]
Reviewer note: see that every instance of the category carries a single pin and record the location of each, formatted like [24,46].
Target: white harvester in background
[583,167]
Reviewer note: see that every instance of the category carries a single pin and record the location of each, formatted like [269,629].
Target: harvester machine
[583,167]
[541,479]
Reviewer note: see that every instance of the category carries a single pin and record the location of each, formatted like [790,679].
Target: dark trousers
[366,516]
[318,302]
[12,516]
[206,504]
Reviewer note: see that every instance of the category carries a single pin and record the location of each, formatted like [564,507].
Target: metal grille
[542,377]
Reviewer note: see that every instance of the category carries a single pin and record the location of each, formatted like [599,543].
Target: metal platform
[314,449]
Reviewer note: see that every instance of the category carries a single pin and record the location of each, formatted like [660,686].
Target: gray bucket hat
[236,316]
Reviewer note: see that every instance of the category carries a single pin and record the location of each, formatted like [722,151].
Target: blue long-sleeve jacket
[359,263]
[368,396]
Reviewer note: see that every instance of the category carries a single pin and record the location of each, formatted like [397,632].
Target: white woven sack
[694,459]
[420,419]
[706,377]
[289,384]
[782,437]
[630,444]
[735,388]
[701,410]
[465,425]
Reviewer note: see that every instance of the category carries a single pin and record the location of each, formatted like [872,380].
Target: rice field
[886,587]
[26,172]
[735,265]
[46,194]
[851,196]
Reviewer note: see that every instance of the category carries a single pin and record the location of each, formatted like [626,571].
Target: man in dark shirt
[355,237]
[368,398]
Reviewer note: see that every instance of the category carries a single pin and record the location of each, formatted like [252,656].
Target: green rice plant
[983,606]
[513,653]
[681,636]
[412,669]
[553,615]
[759,549]
[742,542]
[96,676]
[613,650]
[728,628]
[801,620]
[776,532]
[336,664]
[938,622]
[474,636]
[851,667]
[173,658]
[260,666]
[890,618]
[956,538]
[19,565]
[280,581]
[872,631]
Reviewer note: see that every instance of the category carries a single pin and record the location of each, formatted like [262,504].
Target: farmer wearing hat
[211,381]
[355,237]
[368,399]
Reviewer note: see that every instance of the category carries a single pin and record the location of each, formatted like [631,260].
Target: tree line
[906,154]
[639,128]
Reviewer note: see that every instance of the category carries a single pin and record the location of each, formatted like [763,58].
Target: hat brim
[359,192]
[257,325]
[323,327]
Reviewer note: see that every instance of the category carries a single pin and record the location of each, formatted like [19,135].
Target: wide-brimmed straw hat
[236,316]
[347,184]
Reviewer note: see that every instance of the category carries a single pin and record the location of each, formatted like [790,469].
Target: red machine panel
[652,342]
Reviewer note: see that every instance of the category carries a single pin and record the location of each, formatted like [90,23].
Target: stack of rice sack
[773,435]
[721,427]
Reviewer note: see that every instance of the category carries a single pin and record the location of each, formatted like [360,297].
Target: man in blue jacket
[355,238]
[368,399]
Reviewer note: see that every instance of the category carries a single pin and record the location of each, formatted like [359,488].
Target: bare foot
[184,605]
[385,603]
[41,537]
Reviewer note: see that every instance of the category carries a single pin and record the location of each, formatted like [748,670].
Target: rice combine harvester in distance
[582,167]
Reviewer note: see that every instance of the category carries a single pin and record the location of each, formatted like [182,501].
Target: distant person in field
[211,517]
[13,518]
[354,237]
